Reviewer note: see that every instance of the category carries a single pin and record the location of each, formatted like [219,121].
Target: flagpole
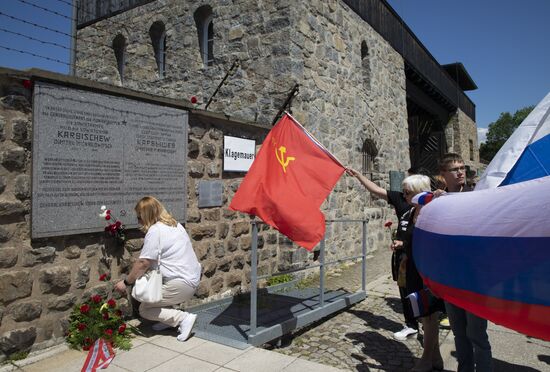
[315,140]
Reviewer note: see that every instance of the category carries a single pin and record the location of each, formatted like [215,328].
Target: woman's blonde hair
[150,211]
[417,183]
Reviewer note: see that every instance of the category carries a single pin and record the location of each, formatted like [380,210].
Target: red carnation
[118,312]
[27,84]
[111,303]
[84,309]
[122,328]
[107,217]
[103,277]
[96,299]
[107,228]
[108,211]
[81,326]
[106,315]
[118,224]
[109,332]
[194,100]
[388,224]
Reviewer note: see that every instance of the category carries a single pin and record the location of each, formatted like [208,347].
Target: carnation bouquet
[114,226]
[98,318]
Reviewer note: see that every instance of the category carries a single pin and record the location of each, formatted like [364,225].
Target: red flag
[99,356]
[287,183]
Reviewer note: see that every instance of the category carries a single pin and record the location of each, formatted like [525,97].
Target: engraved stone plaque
[396,178]
[94,149]
[210,194]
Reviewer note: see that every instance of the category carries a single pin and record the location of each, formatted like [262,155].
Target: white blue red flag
[99,357]
[488,251]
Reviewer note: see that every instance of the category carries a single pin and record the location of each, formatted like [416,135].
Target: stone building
[350,71]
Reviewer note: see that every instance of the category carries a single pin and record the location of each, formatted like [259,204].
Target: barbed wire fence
[54,43]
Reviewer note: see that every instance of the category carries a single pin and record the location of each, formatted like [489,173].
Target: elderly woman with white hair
[431,357]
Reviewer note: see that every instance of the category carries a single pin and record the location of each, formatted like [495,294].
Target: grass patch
[279,279]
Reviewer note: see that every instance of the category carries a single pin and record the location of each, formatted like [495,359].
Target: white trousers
[174,292]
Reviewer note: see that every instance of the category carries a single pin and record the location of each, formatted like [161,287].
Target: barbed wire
[46,9]
[34,39]
[34,55]
[216,63]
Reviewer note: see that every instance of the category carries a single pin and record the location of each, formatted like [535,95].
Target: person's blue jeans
[473,350]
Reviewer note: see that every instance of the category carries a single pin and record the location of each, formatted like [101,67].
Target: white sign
[238,154]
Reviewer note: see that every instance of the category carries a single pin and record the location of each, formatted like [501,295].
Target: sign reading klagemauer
[238,154]
[95,149]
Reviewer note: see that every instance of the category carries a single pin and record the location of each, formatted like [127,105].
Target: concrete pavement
[356,339]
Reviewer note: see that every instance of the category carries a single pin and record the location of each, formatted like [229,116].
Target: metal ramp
[279,313]
[265,315]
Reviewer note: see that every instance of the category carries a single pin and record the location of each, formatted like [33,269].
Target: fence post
[322,273]
[254,279]
[364,259]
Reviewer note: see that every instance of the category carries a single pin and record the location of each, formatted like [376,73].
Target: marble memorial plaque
[210,194]
[95,149]
[396,178]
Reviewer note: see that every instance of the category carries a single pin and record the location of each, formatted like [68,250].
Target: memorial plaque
[94,149]
[396,178]
[210,194]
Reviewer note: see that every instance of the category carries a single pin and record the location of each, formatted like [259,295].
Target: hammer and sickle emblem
[284,162]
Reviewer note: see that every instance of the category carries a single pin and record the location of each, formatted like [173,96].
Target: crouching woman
[179,267]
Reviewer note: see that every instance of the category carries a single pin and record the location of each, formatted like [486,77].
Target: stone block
[213,170]
[216,284]
[203,290]
[72,252]
[14,159]
[224,264]
[211,214]
[197,132]
[3,184]
[239,262]
[20,132]
[11,209]
[202,231]
[209,150]
[232,245]
[133,245]
[82,275]
[17,340]
[236,33]
[223,229]
[240,228]
[16,102]
[209,268]
[233,279]
[14,285]
[193,149]
[36,256]
[56,280]
[2,129]
[62,303]
[195,169]
[215,134]
[201,250]
[25,311]
[5,234]
[22,188]
[193,215]
[8,257]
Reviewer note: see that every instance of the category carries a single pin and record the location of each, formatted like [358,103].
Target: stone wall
[343,100]
[461,135]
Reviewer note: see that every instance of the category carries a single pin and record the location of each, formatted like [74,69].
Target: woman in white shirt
[179,266]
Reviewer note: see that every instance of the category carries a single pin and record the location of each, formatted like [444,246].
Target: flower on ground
[98,317]
[103,277]
[114,227]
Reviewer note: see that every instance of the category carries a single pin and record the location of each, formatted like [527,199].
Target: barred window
[365,63]
[119,48]
[157,32]
[205,28]
[369,153]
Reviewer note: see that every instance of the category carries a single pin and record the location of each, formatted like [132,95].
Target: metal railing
[321,265]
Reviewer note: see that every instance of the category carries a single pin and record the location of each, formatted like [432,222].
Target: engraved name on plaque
[95,149]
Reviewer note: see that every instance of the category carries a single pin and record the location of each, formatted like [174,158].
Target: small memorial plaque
[210,194]
[94,149]
[396,178]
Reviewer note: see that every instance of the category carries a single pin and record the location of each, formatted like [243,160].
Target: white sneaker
[186,326]
[404,333]
[160,326]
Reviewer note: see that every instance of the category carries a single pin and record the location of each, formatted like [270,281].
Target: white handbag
[148,288]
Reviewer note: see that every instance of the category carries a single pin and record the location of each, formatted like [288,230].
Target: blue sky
[502,44]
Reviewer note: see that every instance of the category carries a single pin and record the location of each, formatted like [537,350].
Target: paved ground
[360,338]
[357,339]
